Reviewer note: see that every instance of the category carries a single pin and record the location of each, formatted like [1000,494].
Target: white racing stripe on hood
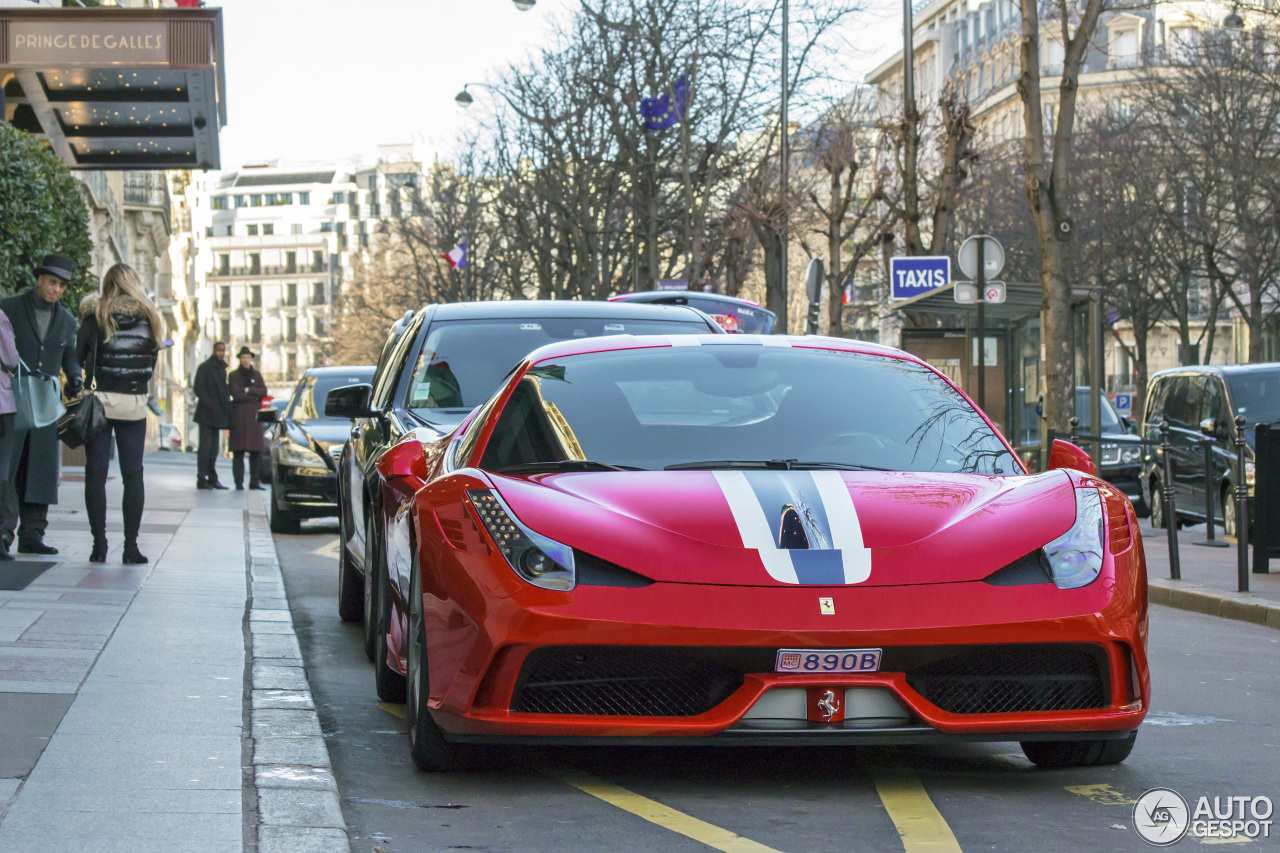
[684,341]
[752,519]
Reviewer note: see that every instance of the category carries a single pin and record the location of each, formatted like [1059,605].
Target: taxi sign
[911,277]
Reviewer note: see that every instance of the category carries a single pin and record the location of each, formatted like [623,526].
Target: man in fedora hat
[45,334]
[247,391]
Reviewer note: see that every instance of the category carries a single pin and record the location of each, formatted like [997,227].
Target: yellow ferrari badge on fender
[827,606]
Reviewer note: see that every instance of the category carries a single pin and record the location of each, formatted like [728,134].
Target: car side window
[1155,402]
[1174,409]
[390,374]
[466,441]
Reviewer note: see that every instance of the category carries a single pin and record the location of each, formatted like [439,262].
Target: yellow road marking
[664,816]
[395,709]
[919,822]
[1102,794]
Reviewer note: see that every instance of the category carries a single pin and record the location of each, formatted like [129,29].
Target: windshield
[308,402]
[734,318]
[462,362]
[1110,420]
[655,408]
[1256,395]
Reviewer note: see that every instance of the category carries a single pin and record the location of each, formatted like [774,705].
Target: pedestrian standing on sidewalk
[9,362]
[45,335]
[247,391]
[213,414]
[117,344]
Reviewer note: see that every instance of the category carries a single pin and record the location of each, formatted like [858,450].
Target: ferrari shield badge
[827,606]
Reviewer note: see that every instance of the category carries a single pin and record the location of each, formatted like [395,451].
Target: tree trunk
[835,288]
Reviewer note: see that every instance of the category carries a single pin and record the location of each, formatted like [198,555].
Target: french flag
[457,256]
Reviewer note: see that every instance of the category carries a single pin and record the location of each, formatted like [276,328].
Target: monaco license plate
[828,660]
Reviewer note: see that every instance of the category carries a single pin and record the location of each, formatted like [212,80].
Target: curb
[1240,606]
[297,797]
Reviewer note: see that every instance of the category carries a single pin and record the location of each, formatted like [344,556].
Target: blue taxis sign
[910,277]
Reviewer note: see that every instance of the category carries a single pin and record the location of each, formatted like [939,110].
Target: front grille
[622,681]
[1110,454]
[1014,678]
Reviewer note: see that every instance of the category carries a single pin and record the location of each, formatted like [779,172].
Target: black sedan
[303,446]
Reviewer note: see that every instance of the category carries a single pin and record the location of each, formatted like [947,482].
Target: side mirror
[1209,427]
[1064,454]
[1040,405]
[404,465]
[268,415]
[349,401]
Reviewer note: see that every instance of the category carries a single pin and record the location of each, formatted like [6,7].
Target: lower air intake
[1014,678]
[630,682]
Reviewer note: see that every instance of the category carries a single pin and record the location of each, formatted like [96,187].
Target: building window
[291,330]
[304,198]
[240,201]
[317,293]
[255,296]
[268,228]
[290,261]
[224,297]
[219,202]
[1124,48]
[295,228]
[317,260]
[291,365]
[317,327]
[224,265]
[224,331]
[1182,43]
[255,264]
[255,201]
[253,230]
[1055,56]
[291,293]
[338,198]
[326,227]
[255,330]
[208,232]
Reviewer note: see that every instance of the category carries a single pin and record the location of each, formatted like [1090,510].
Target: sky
[332,79]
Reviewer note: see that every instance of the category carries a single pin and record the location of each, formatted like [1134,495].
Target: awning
[1022,299]
[117,88]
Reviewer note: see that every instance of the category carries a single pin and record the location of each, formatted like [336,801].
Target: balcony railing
[267,269]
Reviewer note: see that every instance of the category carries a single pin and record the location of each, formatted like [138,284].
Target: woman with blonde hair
[118,342]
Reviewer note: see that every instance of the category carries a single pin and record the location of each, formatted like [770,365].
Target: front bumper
[477,664]
[306,492]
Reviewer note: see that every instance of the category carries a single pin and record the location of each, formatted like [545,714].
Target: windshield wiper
[562,465]
[771,465]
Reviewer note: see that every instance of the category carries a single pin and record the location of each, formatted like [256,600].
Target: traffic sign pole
[982,325]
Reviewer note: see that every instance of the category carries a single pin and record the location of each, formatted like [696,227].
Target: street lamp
[525,5]
[463,98]
[1233,21]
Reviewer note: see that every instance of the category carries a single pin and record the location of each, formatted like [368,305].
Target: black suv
[435,367]
[303,446]
[1199,403]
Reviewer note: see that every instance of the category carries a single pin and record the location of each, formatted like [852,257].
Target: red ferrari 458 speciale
[747,539]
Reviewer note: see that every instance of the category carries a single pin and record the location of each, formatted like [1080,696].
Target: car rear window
[308,403]
[462,362]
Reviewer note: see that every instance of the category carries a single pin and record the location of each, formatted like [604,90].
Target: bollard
[1210,490]
[1242,509]
[1170,512]
[1075,430]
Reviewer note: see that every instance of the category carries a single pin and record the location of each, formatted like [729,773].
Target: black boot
[99,553]
[132,556]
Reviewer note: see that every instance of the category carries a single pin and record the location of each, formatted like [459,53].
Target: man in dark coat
[247,391]
[213,414]
[45,333]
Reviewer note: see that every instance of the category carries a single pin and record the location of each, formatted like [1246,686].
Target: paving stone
[276,646]
[267,677]
[310,751]
[299,807]
[285,776]
[296,839]
[285,723]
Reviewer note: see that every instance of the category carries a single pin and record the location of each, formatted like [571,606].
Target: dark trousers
[131,439]
[237,467]
[207,454]
[34,517]
[7,487]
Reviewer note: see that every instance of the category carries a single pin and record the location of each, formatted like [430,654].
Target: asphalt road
[1214,730]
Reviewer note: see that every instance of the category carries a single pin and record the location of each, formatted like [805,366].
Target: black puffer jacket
[123,364]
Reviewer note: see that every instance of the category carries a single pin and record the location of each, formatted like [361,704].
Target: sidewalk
[159,707]
[1209,578]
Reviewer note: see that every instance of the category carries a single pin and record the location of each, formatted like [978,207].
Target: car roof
[616,343]
[1219,369]
[564,308]
[659,295]
[339,368]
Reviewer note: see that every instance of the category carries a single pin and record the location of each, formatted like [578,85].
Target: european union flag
[661,113]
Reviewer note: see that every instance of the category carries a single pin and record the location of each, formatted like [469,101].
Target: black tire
[1157,505]
[369,588]
[1141,508]
[427,746]
[350,581]
[1078,753]
[1229,513]
[388,682]
[279,520]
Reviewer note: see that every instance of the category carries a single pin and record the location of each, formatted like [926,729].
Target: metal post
[1209,488]
[1075,429]
[982,325]
[1263,490]
[1242,509]
[1170,511]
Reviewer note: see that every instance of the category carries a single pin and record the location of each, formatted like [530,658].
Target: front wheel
[427,746]
[388,683]
[1078,753]
[279,520]
[1158,515]
[350,581]
[369,589]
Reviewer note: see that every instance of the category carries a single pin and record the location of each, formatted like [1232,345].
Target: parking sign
[911,277]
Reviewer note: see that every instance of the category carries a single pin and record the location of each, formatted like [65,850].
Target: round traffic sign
[992,256]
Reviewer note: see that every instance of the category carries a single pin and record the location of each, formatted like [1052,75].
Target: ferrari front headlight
[535,558]
[1075,557]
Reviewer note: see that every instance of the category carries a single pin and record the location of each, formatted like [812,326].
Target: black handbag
[84,417]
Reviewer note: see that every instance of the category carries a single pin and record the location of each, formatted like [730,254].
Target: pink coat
[9,360]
